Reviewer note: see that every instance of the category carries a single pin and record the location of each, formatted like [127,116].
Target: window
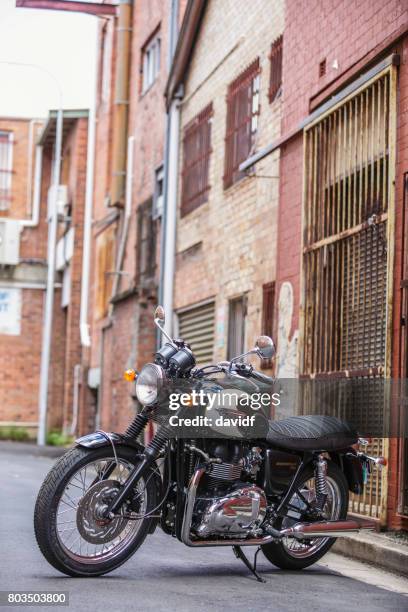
[242,121]
[196,326]
[196,157]
[275,81]
[150,61]
[236,326]
[268,302]
[158,192]
[146,244]
[105,261]
[6,168]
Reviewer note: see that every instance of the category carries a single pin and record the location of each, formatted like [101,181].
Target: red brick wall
[347,32]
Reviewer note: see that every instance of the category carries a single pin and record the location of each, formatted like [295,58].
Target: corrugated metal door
[196,326]
[348,247]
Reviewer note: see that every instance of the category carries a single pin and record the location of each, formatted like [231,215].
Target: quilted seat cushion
[312,432]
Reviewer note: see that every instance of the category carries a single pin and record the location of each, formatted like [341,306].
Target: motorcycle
[284,491]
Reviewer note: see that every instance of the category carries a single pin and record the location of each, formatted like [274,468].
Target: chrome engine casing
[237,513]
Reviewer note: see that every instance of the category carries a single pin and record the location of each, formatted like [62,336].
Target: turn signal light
[130,375]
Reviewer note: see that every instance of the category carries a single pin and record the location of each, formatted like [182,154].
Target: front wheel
[69,522]
[292,554]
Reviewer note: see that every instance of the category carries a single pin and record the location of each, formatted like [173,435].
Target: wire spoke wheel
[294,554]
[81,528]
[70,517]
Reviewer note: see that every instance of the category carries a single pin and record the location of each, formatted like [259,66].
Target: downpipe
[300,531]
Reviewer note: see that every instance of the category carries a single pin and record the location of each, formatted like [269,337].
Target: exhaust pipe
[300,531]
[327,529]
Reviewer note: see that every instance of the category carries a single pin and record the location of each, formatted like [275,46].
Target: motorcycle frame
[175,447]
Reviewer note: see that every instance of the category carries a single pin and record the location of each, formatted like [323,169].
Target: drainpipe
[86,246]
[169,231]
[166,220]
[127,215]
[121,102]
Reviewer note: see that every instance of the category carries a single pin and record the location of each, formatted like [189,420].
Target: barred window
[6,168]
[275,82]
[196,159]
[242,121]
[268,302]
[146,244]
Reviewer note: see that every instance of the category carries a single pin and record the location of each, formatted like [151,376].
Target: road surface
[166,576]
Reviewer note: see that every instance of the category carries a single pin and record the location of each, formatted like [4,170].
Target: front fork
[150,454]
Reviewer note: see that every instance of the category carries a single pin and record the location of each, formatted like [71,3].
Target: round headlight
[149,384]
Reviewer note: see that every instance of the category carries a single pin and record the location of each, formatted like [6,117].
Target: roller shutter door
[196,326]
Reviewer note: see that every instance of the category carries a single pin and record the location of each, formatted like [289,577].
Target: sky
[62,43]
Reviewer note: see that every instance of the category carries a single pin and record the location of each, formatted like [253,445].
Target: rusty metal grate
[242,121]
[346,260]
[196,161]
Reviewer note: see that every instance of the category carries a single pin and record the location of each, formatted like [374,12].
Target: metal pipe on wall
[169,246]
[49,297]
[121,102]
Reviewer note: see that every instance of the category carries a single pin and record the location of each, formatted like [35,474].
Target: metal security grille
[196,326]
[196,159]
[346,247]
[6,169]
[275,78]
[242,121]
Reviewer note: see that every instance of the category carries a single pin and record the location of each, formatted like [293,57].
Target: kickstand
[239,553]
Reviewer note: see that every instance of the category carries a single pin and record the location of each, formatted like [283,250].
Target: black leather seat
[312,432]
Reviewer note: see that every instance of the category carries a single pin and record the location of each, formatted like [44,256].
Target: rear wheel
[70,527]
[292,554]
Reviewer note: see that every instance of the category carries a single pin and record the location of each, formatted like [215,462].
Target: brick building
[226,220]
[26,154]
[135,50]
[343,172]
[337,139]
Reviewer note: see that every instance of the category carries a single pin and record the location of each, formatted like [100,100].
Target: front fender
[97,439]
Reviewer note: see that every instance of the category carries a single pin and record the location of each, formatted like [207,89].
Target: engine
[230,504]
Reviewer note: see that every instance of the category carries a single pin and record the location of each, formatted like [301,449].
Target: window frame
[232,318]
[6,173]
[239,141]
[152,45]
[147,275]
[197,132]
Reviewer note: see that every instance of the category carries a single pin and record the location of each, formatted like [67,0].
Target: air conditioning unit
[61,192]
[9,242]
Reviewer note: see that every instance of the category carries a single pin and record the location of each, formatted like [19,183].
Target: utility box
[58,194]
[9,242]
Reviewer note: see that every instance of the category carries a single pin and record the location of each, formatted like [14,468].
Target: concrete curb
[28,448]
[377,549]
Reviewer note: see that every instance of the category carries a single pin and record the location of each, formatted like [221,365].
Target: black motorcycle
[279,485]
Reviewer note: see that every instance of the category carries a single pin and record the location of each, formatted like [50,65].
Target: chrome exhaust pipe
[300,531]
[327,529]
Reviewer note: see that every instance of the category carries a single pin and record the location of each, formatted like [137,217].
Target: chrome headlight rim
[159,382]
